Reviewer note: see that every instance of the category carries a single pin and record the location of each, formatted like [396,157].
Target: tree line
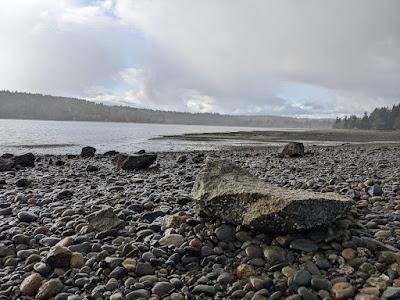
[17,105]
[380,119]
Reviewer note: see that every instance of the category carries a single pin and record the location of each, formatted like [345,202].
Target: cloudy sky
[288,57]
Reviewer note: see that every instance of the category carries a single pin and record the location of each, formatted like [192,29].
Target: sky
[306,58]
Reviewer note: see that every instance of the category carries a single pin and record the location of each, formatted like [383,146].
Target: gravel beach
[78,228]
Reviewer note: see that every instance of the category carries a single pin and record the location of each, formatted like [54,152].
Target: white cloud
[201,103]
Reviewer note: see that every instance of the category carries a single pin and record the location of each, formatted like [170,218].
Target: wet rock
[104,220]
[88,151]
[134,162]
[224,190]
[292,149]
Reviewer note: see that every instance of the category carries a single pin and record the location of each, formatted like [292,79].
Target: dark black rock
[88,152]
[134,162]
[25,160]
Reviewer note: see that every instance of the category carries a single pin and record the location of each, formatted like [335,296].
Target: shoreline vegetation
[18,105]
[382,118]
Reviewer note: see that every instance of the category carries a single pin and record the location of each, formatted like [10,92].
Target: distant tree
[19,105]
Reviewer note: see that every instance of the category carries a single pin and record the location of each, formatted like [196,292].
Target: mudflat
[282,136]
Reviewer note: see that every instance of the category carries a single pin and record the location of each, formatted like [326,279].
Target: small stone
[144,269]
[244,271]
[50,289]
[258,283]
[391,293]
[25,216]
[195,243]
[204,289]
[77,260]
[42,268]
[225,233]
[118,273]
[254,251]
[172,240]
[348,254]
[302,277]
[23,182]
[321,284]
[226,278]
[104,220]
[162,288]
[181,159]
[117,296]
[59,257]
[306,294]
[31,284]
[342,290]
[375,190]
[274,255]
[129,264]
[304,245]
[138,294]
[175,220]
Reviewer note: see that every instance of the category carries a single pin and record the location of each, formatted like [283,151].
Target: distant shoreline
[155,123]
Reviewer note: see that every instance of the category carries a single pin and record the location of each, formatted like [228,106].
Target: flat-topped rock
[224,190]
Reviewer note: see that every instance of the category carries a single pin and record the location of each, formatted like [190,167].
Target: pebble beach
[155,244]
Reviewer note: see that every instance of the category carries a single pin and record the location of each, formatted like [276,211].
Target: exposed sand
[311,136]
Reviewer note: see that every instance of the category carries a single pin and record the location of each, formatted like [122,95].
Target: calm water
[58,137]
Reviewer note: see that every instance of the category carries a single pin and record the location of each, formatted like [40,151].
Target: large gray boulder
[224,190]
[292,149]
[134,162]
